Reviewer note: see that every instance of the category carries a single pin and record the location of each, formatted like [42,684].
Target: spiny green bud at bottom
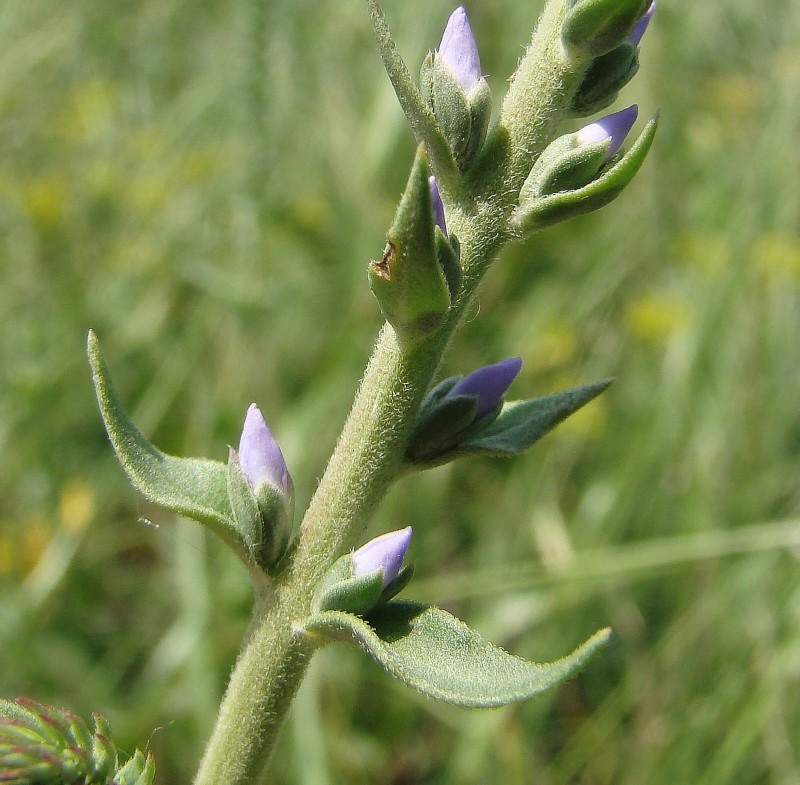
[42,745]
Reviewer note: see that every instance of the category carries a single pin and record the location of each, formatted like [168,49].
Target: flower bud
[458,408]
[261,492]
[488,384]
[575,176]
[260,456]
[459,50]
[594,27]
[385,553]
[574,160]
[635,35]
[613,127]
[609,73]
[454,90]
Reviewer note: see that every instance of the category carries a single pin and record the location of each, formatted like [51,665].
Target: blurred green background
[203,184]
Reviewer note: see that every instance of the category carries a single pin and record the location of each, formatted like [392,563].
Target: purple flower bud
[459,51]
[383,553]
[260,458]
[614,127]
[636,34]
[489,384]
[438,207]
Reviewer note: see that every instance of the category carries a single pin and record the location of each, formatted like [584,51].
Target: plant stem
[369,453]
[366,460]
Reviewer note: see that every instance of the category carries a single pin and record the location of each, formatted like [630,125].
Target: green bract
[408,281]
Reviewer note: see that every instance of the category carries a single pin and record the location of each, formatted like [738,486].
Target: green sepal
[440,428]
[339,590]
[541,212]
[264,517]
[420,117]
[603,80]
[448,252]
[439,420]
[520,424]
[244,507]
[443,658]
[447,100]
[593,27]
[463,118]
[408,281]
[194,487]
[564,166]
[480,110]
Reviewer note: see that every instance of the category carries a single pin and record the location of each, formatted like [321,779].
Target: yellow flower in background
[655,317]
[7,554]
[90,111]
[75,506]
[45,198]
[777,256]
[708,253]
[552,347]
[35,539]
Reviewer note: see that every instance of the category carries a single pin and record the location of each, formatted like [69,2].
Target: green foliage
[219,252]
[441,657]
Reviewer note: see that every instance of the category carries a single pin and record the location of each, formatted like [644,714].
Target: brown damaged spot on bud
[382,269]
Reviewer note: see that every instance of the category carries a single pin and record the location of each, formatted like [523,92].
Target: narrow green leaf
[521,424]
[442,657]
[423,123]
[194,487]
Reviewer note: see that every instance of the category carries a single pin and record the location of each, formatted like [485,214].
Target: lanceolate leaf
[442,657]
[194,487]
[522,423]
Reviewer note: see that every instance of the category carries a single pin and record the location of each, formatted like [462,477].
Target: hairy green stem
[366,460]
